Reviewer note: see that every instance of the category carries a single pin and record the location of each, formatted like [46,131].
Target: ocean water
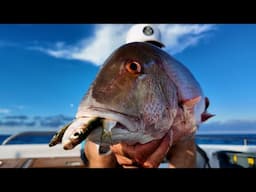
[43,139]
[229,139]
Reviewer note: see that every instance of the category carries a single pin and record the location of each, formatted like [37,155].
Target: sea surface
[232,139]
[28,139]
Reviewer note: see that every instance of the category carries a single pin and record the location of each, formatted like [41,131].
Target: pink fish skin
[148,93]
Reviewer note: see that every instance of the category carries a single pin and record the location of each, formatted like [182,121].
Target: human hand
[148,155]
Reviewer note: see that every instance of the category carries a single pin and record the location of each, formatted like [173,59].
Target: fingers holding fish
[124,161]
[147,155]
[156,158]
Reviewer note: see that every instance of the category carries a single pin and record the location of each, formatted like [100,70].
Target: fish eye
[76,135]
[133,67]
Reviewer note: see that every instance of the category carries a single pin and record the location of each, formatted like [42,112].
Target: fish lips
[128,128]
[119,133]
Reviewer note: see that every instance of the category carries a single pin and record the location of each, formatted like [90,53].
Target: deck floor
[54,162]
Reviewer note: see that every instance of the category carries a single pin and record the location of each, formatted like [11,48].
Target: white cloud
[105,40]
[178,37]
[108,37]
[4,111]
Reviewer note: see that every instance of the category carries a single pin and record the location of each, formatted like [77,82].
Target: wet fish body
[147,93]
[140,94]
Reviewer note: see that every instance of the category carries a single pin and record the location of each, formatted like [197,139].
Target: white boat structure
[42,156]
[37,155]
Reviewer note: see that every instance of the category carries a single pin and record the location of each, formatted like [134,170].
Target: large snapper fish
[140,94]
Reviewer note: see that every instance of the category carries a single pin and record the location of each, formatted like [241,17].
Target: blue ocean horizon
[228,139]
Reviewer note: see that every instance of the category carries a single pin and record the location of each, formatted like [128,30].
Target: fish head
[133,89]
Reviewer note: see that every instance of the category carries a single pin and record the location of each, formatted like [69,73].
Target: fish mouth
[123,120]
[123,127]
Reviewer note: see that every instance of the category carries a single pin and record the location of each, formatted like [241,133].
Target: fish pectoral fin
[205,116]
[189,103]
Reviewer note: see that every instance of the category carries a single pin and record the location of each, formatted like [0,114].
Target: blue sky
[47,68]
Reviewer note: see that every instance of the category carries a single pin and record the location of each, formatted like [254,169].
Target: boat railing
[9,139]
[227,139]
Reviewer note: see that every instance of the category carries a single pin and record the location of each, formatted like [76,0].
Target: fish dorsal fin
[207,103]
[205,115]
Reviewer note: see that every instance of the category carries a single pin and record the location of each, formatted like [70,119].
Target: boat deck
[39,156]
[53,162]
